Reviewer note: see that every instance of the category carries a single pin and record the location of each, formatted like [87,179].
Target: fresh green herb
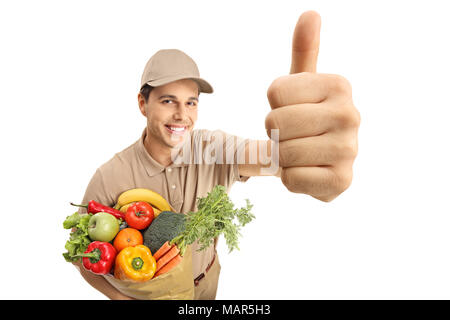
[216,215]
[79,239]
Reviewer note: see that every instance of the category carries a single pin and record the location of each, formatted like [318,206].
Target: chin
[174,140]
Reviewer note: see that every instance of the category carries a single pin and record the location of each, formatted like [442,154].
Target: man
[313,124]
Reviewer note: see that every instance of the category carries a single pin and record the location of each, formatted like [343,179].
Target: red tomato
[139,215]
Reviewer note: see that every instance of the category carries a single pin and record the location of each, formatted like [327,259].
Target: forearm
[101,284]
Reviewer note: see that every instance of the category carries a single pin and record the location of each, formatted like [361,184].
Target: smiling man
[312,128]
[171,111]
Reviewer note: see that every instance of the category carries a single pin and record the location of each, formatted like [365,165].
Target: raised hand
[317,121]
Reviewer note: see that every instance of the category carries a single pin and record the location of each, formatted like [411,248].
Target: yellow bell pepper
[135,263]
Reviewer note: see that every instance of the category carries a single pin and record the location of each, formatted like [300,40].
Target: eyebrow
[175,97]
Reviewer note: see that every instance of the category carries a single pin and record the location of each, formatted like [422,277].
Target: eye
[166,100]
[192,104]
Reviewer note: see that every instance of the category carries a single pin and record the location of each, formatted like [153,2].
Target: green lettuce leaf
[79,238]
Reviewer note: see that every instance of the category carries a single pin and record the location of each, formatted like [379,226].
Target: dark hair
[145,91]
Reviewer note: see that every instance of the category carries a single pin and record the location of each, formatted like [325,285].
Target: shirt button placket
[173,191]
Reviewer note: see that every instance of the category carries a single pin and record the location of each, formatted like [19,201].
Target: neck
[161,153]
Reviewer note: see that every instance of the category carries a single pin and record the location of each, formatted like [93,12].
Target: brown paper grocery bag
[177,284]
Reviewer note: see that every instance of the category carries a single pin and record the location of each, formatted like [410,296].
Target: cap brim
[203,85]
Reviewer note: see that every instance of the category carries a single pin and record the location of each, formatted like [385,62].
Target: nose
[180,112]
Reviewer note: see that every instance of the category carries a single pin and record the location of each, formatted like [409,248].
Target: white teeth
[177,129]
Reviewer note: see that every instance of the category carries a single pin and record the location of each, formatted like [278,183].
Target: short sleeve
[229,153]
[235,153]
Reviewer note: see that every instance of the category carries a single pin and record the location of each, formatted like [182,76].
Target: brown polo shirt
[192,174]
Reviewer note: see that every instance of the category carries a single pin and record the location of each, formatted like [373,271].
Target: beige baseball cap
[169,65]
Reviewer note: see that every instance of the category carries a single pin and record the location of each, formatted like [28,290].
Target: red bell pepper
[95,207]
[99,257]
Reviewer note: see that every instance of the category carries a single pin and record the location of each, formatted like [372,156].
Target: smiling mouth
[176,129]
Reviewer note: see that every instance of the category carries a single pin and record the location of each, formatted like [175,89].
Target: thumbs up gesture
[316,120]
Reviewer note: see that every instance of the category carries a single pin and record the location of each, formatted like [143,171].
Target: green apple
[103,227]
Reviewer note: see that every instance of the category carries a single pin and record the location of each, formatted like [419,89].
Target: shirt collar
[152,166]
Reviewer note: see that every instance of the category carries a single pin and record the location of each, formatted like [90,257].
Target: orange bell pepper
[135,263]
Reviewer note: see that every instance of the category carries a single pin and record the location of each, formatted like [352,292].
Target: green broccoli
[166,226]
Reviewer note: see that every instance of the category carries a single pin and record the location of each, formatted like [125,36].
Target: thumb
[305,43]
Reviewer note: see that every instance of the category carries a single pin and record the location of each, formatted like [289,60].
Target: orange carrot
[168,266]
[167,257]
[161,251]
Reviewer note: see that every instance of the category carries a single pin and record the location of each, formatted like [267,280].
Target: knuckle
[271,121]
[353,150]
[340,85]
[353,117]
[347,117]
[330,188]
[346,181]
[343,180]
[273,92]
[348,150]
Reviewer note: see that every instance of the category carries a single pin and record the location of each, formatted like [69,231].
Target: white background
[69,76]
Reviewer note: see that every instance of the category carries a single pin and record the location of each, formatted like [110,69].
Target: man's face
[171,112]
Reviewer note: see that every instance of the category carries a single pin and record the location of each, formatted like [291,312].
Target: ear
[142,104]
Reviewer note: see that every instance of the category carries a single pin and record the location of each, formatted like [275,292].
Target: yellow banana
[125,208]
[156,211]
[142,194]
